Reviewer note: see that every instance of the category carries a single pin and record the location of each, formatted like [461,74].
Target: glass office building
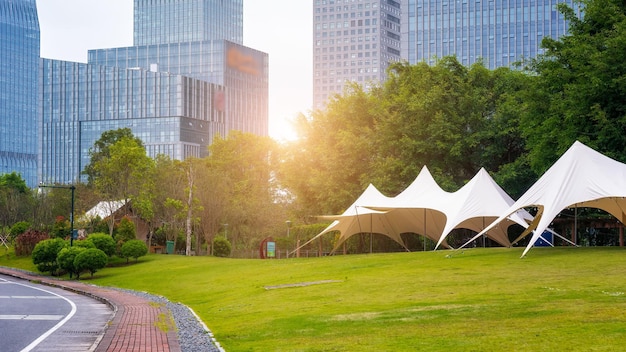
[176,21]
[499,33]
[175,95]
[354,41]
[19,60]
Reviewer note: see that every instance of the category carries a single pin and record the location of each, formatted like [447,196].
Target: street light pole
[72,188]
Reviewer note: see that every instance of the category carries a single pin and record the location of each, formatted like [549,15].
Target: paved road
[41,318]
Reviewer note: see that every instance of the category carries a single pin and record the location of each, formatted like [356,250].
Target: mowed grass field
[555,299]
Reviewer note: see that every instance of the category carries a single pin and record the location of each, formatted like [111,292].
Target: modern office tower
[354,41]
[19,66]
[176,21]
[499,33]
[174,95]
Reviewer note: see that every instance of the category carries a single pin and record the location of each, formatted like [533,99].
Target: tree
[134,249]
[580,86]
[16,200]
[125,231]
[246,164]
[123,174]
[45,254]
[91,260]
[101,150]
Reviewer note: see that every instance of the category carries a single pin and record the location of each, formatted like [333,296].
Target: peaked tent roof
[477,204]
[581,177]
[358,219]
[418,208]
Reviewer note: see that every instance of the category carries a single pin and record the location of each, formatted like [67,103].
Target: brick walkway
[138,324]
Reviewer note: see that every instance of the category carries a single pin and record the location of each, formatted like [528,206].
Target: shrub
[84,244]
[103,242]
[91,260]
[26,242]
[221,247]
[45,254]
[134,249]
[61,228]
[66,257]
[18,228]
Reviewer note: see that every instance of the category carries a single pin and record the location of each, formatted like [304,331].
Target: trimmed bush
[45,254]
[66,258]
[91,260]
[221,247]
[134,249]
[103,242]
[84,244]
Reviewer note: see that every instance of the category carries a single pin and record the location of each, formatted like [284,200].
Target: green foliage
[84,244]
[579,90]
[26,242]
[125,231]
[103,242]
[134,249]
[61,228]
[66,257]
[101,149]
[221,247]
[19,228]
[91,260]
[16,201]
[45,254]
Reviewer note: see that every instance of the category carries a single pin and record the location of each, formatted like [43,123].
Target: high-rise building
[354,41]
[181,84]
[19,66]
[500,33]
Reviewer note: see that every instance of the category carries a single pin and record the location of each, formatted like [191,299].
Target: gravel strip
[193,335]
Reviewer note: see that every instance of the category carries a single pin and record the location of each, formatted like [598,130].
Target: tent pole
[424,234]
[575,223]
[371,235]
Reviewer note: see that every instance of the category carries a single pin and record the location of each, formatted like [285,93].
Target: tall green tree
[331,161]
[17,202]
[580,86]
[101,149]
[246,163]
[123,174]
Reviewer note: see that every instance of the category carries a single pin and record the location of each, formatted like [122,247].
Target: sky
[281,28]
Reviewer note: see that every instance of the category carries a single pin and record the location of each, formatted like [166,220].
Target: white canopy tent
[582,177]
[477,204]
[358,219]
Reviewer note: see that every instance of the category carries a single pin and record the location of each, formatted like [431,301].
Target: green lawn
[561,299]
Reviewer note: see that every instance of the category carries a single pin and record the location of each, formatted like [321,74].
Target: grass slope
[477,300]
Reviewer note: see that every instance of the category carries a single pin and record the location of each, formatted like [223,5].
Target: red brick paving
[138,325]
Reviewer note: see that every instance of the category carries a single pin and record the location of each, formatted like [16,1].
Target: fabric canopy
[472,207]
[477,204]
[357,219]
[582,177]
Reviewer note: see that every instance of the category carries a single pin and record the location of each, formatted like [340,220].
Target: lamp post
[72,188]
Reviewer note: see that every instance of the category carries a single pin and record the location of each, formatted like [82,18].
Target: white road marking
[54,328]
[31,317]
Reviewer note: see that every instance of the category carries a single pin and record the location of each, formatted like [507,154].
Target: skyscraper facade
[500,33]
[176,21]
[19,65]
[175,96]
[354,41]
